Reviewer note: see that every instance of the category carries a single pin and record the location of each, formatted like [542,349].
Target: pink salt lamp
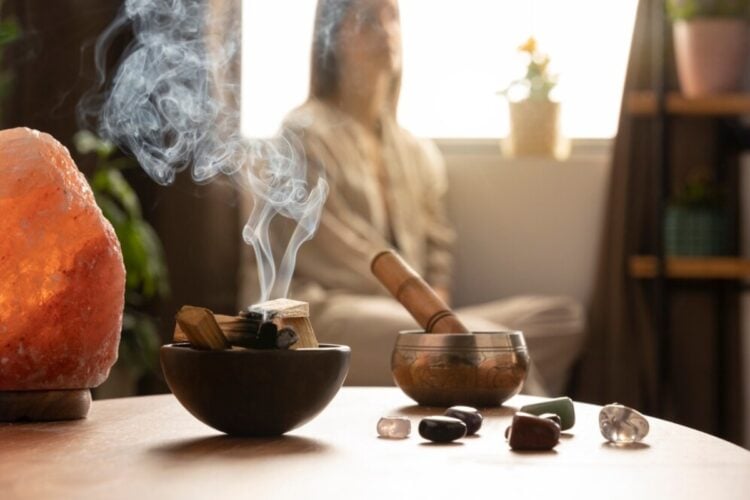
[62,282]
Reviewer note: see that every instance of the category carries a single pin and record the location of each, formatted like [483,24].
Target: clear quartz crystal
[622,425]
[394,427]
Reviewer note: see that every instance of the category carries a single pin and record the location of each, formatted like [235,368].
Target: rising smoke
[172,105]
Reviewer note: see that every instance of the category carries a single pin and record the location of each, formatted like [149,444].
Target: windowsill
[594,150]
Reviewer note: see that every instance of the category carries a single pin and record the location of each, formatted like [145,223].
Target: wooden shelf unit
[646,266]
[643,103]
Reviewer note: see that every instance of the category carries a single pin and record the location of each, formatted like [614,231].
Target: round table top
[150,447]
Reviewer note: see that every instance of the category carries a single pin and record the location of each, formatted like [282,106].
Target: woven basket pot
[534,127]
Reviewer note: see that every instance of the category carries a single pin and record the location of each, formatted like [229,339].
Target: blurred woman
[387,189]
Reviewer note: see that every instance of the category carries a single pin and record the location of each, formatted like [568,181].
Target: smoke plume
[172,103]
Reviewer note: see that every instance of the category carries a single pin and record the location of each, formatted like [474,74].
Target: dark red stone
[532,433]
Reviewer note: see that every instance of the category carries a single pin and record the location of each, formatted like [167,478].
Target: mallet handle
[417,297]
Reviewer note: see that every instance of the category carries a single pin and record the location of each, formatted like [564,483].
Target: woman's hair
[324,62]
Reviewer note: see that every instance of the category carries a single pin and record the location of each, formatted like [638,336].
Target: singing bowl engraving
[478,369]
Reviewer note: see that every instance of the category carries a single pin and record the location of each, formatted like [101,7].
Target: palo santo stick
[201,329]
[238,330]
[292,314]
[304,330]
[415,294]
[282,308]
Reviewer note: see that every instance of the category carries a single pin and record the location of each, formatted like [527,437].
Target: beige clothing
[354,225]
[347,304]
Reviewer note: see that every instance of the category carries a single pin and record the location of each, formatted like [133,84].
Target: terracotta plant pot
[534,128]
[710,54]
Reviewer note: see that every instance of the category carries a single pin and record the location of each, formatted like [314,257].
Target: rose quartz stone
[62,279]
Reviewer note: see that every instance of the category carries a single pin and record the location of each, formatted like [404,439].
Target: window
[457,55]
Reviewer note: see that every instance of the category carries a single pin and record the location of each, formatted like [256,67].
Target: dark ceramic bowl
[250,392]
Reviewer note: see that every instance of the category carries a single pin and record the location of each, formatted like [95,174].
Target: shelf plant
[146,272]
[687,10]
[696,221]
[10,31]
[710,41]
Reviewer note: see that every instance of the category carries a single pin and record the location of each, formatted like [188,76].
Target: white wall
[525,226]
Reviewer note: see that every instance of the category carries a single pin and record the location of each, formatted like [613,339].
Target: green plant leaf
[6,82]
[139,343]
[687,10]
[155,278]
[10,31]
[112,182]
[142,252]
[538,82]
[111,210]
[134,255]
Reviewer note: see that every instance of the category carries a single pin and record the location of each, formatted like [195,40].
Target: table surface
[150,447]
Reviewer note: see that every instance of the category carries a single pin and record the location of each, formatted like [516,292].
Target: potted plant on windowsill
[710,41]
[534,116]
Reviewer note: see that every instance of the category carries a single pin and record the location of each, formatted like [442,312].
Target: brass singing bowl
[481,369]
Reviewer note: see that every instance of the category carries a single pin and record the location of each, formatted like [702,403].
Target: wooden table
[150,447]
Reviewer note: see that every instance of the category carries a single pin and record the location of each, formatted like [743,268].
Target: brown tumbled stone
[532,433]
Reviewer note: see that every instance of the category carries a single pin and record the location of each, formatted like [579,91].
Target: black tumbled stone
[441,429]
[468,415]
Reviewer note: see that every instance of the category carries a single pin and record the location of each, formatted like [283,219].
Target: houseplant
[534,116]
[696,221]
[710,42]
[9,32]
[146,273]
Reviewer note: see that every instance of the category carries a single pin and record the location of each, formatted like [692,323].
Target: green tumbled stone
[563,407]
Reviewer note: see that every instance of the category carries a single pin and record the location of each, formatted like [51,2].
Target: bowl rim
[244,351]
[504,340]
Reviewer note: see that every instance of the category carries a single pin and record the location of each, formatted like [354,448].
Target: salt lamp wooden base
[44,406]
